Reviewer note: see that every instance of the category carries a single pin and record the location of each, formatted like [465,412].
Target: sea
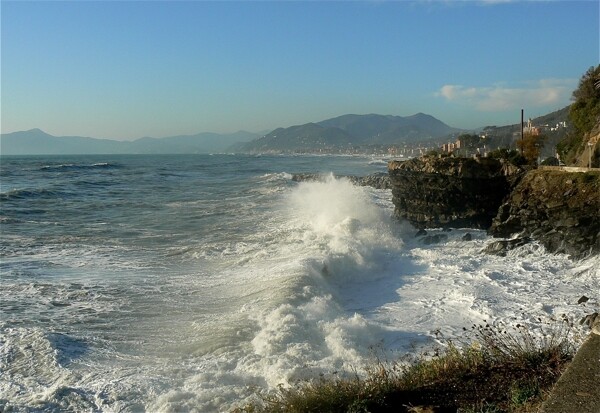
[198,283]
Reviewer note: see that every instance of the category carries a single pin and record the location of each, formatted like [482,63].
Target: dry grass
[490,369]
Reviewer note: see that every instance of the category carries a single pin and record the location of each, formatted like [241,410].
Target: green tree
[584,114]
[511,155]
[531,146]
[585,110]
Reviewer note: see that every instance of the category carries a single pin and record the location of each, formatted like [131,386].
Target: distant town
[463,144]
[489,139]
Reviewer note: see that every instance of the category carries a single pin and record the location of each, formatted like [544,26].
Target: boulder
[583,299]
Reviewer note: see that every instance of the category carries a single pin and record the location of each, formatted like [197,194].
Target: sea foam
[220,285]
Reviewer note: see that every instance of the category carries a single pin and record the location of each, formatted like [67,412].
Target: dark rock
[583,299]
[503,246]
[311,177]
[560,209]
[420,233]
[589,319]
[432,192]
[379,180]
[434,239]
[467,237]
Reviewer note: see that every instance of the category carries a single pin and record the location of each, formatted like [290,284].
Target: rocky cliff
[561,209]
[450,192]
[379,180]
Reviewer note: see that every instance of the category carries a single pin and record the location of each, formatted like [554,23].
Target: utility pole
[522,129]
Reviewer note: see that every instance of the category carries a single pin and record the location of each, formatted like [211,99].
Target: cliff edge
[561,209]
[433,192]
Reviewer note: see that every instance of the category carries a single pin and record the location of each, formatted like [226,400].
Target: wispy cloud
[541,93]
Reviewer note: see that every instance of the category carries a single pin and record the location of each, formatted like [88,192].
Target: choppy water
[190,283]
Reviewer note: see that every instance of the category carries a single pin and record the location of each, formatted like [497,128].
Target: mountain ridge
[37,142]
[340,133]
[349,131]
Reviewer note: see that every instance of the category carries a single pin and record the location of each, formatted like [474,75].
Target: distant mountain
[308,137]
[200,143]
[350,131]
[380,129]
[37,142]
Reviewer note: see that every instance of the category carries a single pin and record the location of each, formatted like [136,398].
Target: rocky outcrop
[502,247]
[376,180]
[449,192]
[560,209]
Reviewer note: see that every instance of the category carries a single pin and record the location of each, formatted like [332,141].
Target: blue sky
[124,70]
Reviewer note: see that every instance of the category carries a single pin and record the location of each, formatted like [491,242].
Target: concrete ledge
[568,168]
[578,389]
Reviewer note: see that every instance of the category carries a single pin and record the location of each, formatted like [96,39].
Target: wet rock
[557,208]
[590,319]
[501,247]
[583,299]
[467,237]
[420,233]
[379,180]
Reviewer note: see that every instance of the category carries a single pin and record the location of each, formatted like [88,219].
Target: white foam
[320,281]
[339,282]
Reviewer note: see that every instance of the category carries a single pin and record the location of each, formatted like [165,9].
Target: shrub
[512,155]
[584,113]
[550,161]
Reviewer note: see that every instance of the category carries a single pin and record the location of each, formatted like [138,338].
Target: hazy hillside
[201,143]
[380,129]
[331,135]
[308,137]
[37,142]
[350,131]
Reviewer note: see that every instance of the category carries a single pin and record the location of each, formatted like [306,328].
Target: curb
[578,388]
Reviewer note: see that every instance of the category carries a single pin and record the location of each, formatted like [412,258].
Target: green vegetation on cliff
[585,116]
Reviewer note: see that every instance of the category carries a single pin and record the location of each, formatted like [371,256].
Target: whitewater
[194,283]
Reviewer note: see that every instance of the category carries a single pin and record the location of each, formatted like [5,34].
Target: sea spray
[342,219]
[339,237]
